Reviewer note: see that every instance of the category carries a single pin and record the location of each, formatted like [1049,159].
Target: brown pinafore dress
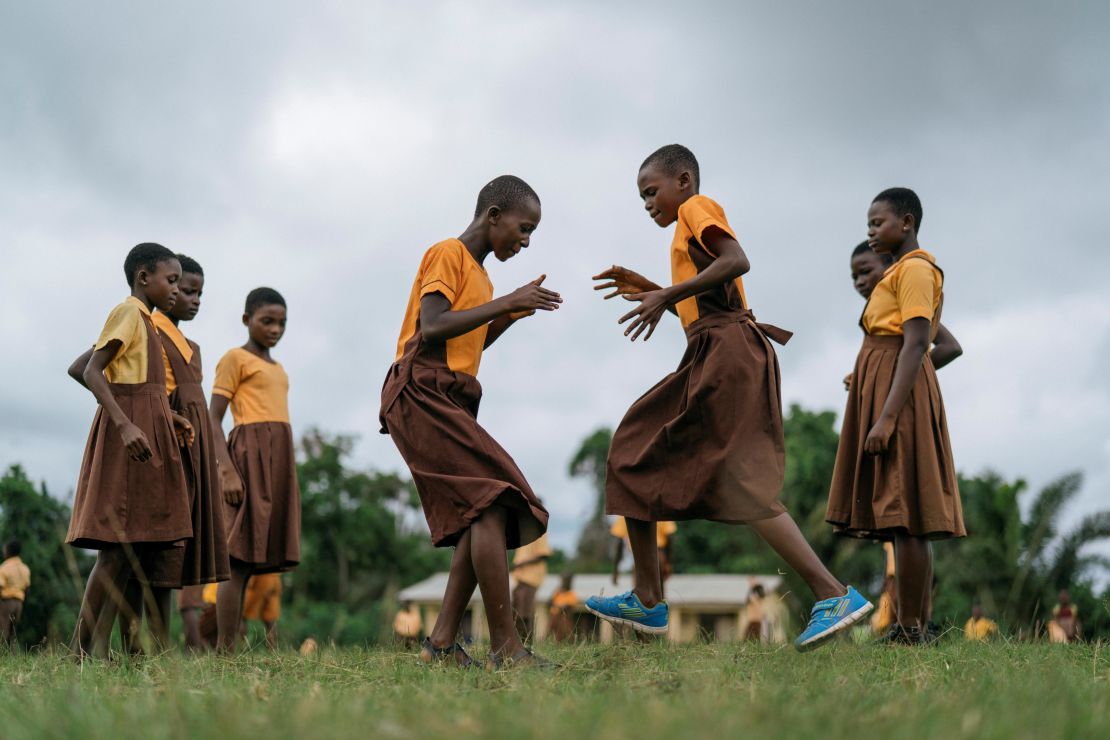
[707,441]
[122,501]
[912,487]
[205,556]
[431,412]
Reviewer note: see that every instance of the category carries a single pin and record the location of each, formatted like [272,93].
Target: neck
[137,292]
[909,245]
[476,240]
[257,349]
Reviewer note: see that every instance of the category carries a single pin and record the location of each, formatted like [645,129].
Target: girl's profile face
[266,325]
[886,230]
[190,289]
[662,193]
[160,283]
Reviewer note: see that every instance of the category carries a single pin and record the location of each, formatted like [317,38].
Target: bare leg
[913,557]
[784,537]
[487,553]
[229,605]
[158,617]
[271,634]
[524,610]
[131,618]
[190,620]
[461,583]
[103,589]
[645,561]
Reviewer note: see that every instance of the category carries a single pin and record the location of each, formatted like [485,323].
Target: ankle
[650,600]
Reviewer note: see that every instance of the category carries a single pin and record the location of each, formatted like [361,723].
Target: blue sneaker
[831,616]
[627,609]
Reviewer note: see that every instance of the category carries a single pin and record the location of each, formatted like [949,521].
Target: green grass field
[625,690]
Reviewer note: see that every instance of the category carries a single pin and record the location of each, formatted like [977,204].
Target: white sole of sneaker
[629,623]
[840,626]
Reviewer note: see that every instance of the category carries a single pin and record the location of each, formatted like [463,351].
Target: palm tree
[589,462]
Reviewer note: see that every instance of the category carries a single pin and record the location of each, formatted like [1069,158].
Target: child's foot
[430,654]
[627,609]
[830,616]
[523,659]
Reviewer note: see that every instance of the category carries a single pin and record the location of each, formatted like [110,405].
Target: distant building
[709,606]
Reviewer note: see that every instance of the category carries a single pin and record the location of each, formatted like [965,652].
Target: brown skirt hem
[885,529]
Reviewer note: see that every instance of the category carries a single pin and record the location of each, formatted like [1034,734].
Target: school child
[706,442]
[132,500]
[894,478]
[190,605]
[257,467]
[528,574]
[15,579]
[474,496]
[979,628]
[407,625]
[262,603]
[563,603]
[663,533]
[753,614]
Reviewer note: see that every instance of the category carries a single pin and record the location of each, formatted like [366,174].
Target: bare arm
[77,369]
[915,342]
[945,347]
[231,484]
[439,323]
[501,324]
[731,263]
[138,447]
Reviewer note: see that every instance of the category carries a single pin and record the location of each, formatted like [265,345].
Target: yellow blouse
[166,327]
[910,289]
[125,323]
[258,390]
[694,216]
[531,574]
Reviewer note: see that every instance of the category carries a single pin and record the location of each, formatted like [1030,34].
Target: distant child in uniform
[262,603]
[979,628]
[707,441]
[529,571]
[474,496]
[15,579]
[407,624]
[894,478]
[132,499]
[563,603]
[257,465]
[663,533]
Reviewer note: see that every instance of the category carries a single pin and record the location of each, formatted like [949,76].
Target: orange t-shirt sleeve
[442,272]
[699,215]
[917,290]
[228,375]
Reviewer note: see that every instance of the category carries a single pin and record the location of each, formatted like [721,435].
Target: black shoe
[524,659]
[899,635]
[431,654]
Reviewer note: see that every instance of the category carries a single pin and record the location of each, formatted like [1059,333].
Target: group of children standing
[706,442]
[163,497]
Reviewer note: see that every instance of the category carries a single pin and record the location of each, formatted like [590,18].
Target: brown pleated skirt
[458,468]
[265,529]
[205,558]
[706,442]
[912,487]
[119,500]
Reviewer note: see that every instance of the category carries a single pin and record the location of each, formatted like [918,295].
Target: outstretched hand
[623,281]
[532,297]
[653,305]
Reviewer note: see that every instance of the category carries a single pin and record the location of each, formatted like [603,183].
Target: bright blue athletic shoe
[831,616]
[627,609]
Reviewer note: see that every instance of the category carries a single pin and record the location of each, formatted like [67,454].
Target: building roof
[686,589]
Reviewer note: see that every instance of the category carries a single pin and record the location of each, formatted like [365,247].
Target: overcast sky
[320,148]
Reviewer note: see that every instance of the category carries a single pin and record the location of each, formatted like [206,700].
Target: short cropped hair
[863,247]
[13,548]
[673,159]
[145,256]
[507,192]
[902,201]
[260,297]
[190,265]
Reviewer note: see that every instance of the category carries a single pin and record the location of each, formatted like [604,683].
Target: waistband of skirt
[884,341]
[137,389]
[724,318]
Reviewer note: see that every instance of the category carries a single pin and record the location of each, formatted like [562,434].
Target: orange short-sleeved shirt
[694,216]
[165,326]
[258,390]
[125,324]
[910,289]
[663,531]
[449,269]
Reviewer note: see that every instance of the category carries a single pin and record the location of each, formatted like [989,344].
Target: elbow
[739,266]
[432,332]
[87,376]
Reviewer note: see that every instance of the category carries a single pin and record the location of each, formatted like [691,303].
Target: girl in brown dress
[894,477]
[707,441]
[257,465]
[132,498]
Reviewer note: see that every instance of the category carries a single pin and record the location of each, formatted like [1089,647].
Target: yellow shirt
[980,629]
[910,289]
[258,390]
[166,327]
[663,531]
[15,579]
[408,623]
[531,574]
[694,216]
[449,269]
[125,323]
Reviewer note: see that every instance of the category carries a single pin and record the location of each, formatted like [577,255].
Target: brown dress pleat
[205,556]
[265,529]
[459,469]
[707,441]
[121,501]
